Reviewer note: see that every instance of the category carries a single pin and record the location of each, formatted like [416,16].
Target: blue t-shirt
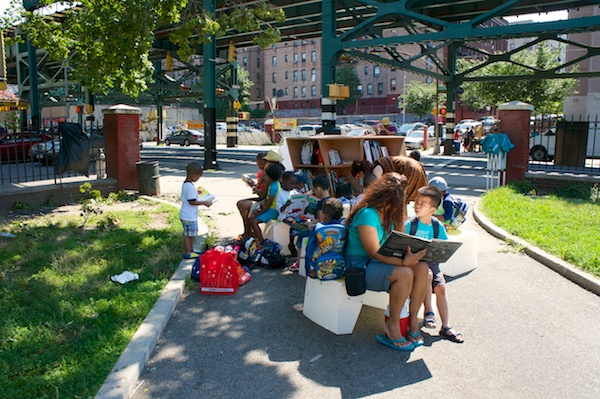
[364,217]
[426,230]
[273,191]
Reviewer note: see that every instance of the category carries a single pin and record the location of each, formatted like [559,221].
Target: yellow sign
[195,125]
[284,124]
[237,105]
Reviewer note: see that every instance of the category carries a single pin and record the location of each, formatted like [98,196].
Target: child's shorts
[190,229]
[438,276]
[267,215]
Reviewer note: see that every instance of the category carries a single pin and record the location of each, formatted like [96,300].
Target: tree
[223,104]
[346,75]
[545,95]
[107,43]
[420,98]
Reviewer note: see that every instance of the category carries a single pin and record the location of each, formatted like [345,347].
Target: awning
[9,101]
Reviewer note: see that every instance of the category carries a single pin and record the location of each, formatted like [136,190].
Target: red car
[15,146]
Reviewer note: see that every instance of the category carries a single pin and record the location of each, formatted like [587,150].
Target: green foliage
[576,191]
[546,95]
[346,75]
[521,187]
[63,322]
[559,226]
[21,206]
[90,202]
[595,193]
[420,98]
[259,113]
[107,43]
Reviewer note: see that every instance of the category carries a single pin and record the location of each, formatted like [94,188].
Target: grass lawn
[63,323]
[567,228]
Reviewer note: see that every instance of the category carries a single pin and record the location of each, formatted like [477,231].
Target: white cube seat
[465,258]
[278,232]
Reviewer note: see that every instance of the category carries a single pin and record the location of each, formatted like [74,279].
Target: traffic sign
[237,105]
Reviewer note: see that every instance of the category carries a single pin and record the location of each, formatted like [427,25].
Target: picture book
[204,195]
[248,180]
[438,251]
[296,206]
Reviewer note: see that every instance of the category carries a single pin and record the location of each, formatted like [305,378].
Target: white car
[414,139]
[543,146]
[361,131]
[408,127]
[307,130]
[465,124]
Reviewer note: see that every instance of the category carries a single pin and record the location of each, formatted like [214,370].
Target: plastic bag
[74,151]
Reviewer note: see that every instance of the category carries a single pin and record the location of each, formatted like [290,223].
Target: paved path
[529,333]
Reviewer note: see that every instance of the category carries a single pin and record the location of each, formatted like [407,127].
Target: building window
[369,89]
[359,88]
[313,56]
[304,75]
[295,105]
[512,46]
[366,70]
[313,75]
[295,92]
[379,88]
[258,62]
[295,58]
[303,57]
[274,92]
[313,105]
[376,71]
[274,77]
[303,105]
[313,91]
[303,91]
[392,84]
[258,77]
[274,61]
[257,93]
[429,63]
[287,91]
[428,80]
[295,76]
[287,58]
[286,75]
[245,61]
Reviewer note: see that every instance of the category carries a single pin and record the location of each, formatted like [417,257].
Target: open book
[204,195]
[296,206]
[438,251]
[248,180]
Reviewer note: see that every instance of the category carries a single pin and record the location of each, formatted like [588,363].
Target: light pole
[404,99]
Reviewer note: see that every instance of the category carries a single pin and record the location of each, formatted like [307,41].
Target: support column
[232,129]
[34,98]
[122,141]
[514,121]
[210,96]
[328,115]
[450,101]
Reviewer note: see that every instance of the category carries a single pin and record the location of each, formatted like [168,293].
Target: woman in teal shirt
[369,224]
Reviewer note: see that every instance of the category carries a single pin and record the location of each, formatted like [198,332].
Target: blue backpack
[459,212]
[325,252]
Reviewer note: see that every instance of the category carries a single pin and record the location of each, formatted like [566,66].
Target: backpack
[196,269]
[325,252]
[414,223]
[459,212]
[270,255]
[307,152]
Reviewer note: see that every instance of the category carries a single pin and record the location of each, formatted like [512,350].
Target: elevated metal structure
[441,30]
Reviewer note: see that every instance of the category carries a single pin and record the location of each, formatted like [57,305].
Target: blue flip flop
[417,339]
[384,340]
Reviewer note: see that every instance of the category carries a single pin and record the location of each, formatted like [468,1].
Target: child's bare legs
[244,207]
[442,304]
[429,321]
[401,284]
[188,244]
[255,229]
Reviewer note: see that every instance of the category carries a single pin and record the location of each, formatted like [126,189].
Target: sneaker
[191,255]
[294,267]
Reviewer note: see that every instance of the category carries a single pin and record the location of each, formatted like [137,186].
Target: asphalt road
[529,333]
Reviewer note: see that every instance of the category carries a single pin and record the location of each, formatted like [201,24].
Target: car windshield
[416,134]
[406,127]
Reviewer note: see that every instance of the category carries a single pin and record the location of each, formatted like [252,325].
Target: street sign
[237,105]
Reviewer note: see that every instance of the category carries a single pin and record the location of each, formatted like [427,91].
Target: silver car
[185,138]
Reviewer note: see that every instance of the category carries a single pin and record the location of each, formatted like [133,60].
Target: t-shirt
[446,207]
[364,217]
[282,197]
[272,192]
[188,193]
[426,230]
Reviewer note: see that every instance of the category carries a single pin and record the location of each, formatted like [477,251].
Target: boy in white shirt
[188,214]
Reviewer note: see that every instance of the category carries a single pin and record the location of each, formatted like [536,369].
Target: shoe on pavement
[191,255]
[294,267]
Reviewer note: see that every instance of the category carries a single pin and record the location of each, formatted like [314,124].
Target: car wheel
[421,146]
[186,143]
[539,153]
[167,142]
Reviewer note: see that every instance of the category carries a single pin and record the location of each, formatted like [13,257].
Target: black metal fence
[561,145]
[32,155]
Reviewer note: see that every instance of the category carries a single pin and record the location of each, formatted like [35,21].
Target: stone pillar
[514,121]
[122,140]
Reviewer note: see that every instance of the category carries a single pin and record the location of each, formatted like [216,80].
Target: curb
[563,268]
[125,374]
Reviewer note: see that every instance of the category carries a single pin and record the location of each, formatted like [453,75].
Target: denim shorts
[378,273]
[190,229]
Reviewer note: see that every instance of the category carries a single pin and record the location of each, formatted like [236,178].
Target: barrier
[278,232]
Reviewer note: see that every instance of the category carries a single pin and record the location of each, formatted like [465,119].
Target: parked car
[361,131]
[307,130]
[185,138]
[408,127]
[465,124]
[414,139]
[45,152]
[542,147]
[488,123]
[16,146]
[221,127]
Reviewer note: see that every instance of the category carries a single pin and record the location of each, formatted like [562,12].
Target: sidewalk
[258,344]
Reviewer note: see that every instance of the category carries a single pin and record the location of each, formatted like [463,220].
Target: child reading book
[188,214]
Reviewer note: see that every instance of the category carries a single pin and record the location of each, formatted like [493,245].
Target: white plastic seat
[278,232]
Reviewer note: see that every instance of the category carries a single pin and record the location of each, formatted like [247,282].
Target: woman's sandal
[429,320]
[451,334]
[416,338]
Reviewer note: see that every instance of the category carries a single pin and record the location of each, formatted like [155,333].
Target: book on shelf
[438,251]
[334,157]
[204,195]
[384,151]
[368,153]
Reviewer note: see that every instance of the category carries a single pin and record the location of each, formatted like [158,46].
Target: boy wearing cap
[386,128]
[446,209]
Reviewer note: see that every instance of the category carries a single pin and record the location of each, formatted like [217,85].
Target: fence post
[514,121]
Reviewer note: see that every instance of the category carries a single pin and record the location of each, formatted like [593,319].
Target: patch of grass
[567,228]
[63,323]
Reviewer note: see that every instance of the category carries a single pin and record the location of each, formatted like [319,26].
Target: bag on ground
[218,272]
[270,255]
[325,252]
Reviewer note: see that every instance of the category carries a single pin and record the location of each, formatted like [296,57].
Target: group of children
[320,207]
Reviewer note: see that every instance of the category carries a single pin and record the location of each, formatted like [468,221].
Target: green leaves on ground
[566,228]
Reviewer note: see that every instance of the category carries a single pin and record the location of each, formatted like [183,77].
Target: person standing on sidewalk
[189,208]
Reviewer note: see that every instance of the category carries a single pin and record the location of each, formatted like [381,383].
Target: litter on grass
[125,277]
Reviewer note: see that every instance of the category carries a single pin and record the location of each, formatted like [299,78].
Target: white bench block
[327,304]
[465,258]
[278,232]
[302,258]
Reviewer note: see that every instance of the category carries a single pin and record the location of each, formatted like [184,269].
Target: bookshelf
[349,149]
